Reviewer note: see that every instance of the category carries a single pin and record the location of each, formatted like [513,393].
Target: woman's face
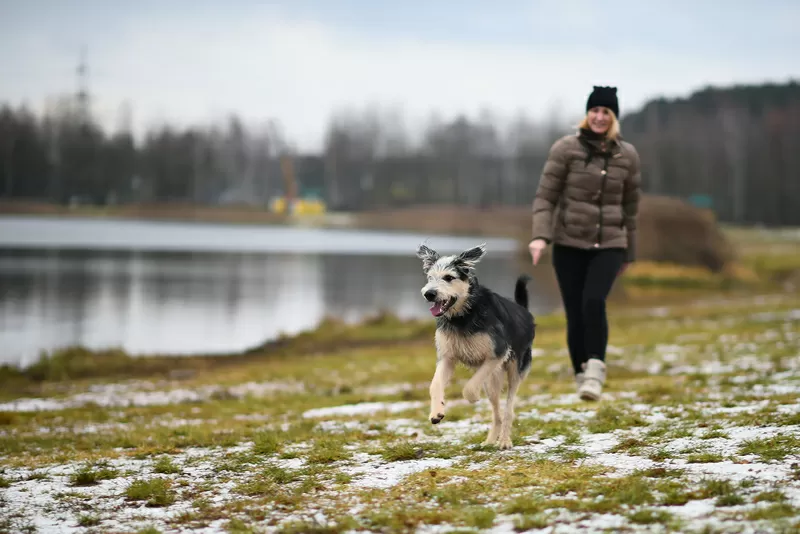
[599,119]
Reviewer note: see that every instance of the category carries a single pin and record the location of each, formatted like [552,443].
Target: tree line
[735,146]
[731,148]
[65,156]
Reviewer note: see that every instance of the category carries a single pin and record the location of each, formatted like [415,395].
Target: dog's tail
[521,290]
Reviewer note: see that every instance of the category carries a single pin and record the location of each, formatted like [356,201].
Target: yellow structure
[291,203]
[299,206]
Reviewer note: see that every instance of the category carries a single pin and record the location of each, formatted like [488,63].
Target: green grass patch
[648,516]
[165,465]
[774,448]
[155,492]
[90,475]
[610,417]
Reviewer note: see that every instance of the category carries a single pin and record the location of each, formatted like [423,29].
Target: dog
[476,327]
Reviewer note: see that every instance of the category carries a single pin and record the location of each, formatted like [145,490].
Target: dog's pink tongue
[436,309]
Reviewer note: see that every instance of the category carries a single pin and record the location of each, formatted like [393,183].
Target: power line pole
[82,97]
[94,186]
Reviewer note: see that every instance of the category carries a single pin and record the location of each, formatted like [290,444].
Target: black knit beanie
[604,96]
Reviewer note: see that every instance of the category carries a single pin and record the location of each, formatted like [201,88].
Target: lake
[192,288]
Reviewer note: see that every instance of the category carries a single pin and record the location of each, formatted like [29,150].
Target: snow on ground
[365,408]
[371,472]
[705,438]
[45,499]
[143,393]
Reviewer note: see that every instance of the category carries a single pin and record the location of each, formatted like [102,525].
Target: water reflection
[184,303]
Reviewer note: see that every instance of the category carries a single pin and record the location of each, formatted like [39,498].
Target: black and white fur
[478,328]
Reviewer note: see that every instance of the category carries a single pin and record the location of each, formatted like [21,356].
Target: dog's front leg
[445,368]
[472,389]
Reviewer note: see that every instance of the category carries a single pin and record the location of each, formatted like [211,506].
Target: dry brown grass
[502,221]
[671,230]
[674,231]
[239,214]
[74,365]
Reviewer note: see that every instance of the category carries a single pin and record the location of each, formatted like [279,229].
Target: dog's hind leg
[493,386]
[445,368]
[514,380]
[490,366]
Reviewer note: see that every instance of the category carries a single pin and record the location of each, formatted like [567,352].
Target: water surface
[77,282]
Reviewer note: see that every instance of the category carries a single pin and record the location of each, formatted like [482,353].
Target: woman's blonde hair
[613,131]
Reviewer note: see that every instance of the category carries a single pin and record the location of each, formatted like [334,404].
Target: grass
[78,366]
[775,448]
[154,492]
[89,475]
[682,412]
[697,431]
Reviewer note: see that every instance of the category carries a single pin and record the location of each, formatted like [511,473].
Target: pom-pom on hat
[604,96]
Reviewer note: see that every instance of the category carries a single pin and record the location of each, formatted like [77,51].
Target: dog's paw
[471,394]
[436,418]
[504,443]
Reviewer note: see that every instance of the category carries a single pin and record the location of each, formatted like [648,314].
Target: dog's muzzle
[439,307]
[430,295]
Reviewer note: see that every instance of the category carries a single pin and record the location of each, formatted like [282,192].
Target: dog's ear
[469,258]
[428,257]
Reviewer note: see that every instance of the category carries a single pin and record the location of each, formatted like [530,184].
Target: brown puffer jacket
[589,197]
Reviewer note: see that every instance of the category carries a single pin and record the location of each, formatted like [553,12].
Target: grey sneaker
[594,377]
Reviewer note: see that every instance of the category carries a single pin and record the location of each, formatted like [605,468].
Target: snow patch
[372,472]
[364,408]
[147,394]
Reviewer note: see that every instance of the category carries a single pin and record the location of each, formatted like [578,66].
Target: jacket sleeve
[551,185]
[630,203]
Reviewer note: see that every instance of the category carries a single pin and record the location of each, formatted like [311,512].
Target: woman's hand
[536,247]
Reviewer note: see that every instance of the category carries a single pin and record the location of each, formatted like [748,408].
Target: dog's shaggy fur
[480,329]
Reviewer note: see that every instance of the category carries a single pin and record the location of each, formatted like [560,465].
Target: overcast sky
[193,61]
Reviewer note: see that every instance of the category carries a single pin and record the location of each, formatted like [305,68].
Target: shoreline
[767,262]
[330,335]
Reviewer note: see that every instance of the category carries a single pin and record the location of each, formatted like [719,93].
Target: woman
[586,206]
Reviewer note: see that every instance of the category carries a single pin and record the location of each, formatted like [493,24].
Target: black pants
[585,278]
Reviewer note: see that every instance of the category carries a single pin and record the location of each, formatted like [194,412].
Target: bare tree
[8,139]
[734,127]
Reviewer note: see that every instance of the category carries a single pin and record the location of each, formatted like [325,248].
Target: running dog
[480,329]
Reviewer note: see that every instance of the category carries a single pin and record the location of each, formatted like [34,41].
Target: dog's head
[449,278]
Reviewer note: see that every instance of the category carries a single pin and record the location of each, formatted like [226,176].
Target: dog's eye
[448,278]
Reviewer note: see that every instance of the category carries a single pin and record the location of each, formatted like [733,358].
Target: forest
[732,149]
